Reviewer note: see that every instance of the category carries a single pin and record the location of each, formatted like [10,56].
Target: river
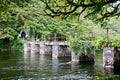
[29,66]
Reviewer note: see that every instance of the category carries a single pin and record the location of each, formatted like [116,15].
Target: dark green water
[32,66]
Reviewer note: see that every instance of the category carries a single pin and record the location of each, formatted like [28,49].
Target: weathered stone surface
[33,47]
[55,51]
[58,49]
[42,48]
[74,57]
[108,57]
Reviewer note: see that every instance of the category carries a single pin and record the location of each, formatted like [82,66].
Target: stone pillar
[74,57]
[25,47]
[108,57]
[42,48]
[37,46]
[26,52]
[33,47]
[55,51]
[32,57]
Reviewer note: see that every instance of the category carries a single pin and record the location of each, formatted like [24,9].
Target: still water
[33,66]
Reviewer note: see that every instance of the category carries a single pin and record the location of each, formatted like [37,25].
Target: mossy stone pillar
[55,51]
[25,47]
[74,57]
[42,48]
[108,57]
[33,47]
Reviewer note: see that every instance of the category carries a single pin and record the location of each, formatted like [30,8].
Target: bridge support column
[74,57]
[42,48]
[25,47]
[108,57]
[55,51]
[25,50]
[33,47]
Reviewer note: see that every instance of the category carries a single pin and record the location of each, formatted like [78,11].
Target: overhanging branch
[58,10]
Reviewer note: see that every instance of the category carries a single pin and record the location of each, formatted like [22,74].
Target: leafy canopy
[10,19]
[95,9]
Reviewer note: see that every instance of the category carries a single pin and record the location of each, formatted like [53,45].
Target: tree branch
[60,12]
[81,12]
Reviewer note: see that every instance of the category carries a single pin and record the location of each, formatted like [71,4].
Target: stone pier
[33,47]
[111,60]
[74,58]
[42,48]
[55,51]
[25,48]
[108,57]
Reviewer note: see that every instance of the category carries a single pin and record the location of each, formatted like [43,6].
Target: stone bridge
[54,48]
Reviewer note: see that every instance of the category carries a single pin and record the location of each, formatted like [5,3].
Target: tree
[95,9]
[10,20]
[7,7]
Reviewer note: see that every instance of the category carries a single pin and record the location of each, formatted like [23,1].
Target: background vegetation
[32,15]
[83,23]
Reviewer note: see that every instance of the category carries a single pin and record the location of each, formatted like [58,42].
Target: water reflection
[74,65]
[42,59]
[55,65]
[33,66]
[108,71]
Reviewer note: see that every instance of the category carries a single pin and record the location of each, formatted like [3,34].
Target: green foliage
[115,77]
[10,21]
[88,8]
[18,44]
[82,47]
[44,27]
[101,42]
[6,7]
[81,36]
[18,15]
[80,41]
